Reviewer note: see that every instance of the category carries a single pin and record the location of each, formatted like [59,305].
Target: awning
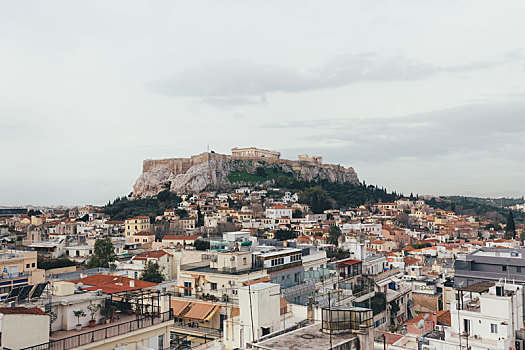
[179,307]
[201,311]
[258,280]
[196,277]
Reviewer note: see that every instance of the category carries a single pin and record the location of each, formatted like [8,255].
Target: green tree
[334,235]
[316,198]
[152,273]
[282,181]
[200,217]
[297,213]
[283,235]
[32,212]
[163,196]
[510,229]
[103,254]
[201,244]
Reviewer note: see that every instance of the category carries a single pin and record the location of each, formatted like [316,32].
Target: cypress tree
[510,229]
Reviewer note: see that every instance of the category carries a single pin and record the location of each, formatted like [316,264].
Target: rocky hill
[223,174]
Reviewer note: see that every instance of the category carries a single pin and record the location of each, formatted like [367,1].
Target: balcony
[395,294]
[204,267]
[64,340]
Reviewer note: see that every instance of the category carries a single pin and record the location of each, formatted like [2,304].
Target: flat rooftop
[309,337]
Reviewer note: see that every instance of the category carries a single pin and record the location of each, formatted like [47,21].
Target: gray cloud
[497,129]
[226,83]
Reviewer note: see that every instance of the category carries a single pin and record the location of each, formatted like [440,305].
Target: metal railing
[81,339]
[198,329]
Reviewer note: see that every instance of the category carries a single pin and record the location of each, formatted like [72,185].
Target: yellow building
[18,268]
[136,225]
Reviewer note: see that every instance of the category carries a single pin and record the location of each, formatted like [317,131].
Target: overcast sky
[418,96]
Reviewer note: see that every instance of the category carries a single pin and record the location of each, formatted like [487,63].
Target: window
[265,330]
[214,286]
[504,268]
[466,326]
[27,266]
[244,261]
[187,289]
[518,269]
[33,265]
[493,328]
[161,341]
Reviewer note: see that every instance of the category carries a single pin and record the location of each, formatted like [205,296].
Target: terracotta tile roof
[443,318]
[180,237]
[112,284]
[21,311]
[154,254]
[347,262]
[144,233]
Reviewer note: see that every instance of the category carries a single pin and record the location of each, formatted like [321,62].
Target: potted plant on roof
[78,314]
[93,308]
[106,310]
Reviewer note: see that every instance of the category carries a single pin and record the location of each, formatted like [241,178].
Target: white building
[485,316]
[259,306]
[278,211]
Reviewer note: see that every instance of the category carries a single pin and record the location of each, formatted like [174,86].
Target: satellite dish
[420,324]
[79,285]
[426,317]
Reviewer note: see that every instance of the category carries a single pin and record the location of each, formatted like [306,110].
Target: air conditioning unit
[198,289]
[439,328]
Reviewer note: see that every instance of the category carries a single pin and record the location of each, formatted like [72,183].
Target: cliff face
[213,176]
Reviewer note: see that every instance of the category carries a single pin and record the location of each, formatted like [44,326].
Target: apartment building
[135,225]
[486,315]
[18,269]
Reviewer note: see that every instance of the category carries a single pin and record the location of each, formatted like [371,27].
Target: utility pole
[251,311]
[330,318]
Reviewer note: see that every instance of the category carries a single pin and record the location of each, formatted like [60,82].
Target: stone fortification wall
[182,165]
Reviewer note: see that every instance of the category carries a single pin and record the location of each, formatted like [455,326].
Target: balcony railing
[100,334]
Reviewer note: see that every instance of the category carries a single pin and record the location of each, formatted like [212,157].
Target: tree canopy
[283,235]
[334,235]
[152,273]
[103,254]
[316,198]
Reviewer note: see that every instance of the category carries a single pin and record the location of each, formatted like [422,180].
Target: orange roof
[347,262]
[144,233]
[443,317]
[181,237]
[155,254]
[21,311]
[113,284]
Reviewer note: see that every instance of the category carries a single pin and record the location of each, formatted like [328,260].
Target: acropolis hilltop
[182,165]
